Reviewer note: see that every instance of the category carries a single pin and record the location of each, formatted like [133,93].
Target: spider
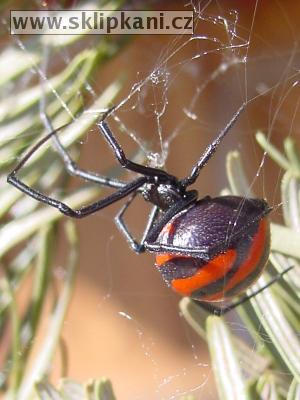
[211,249]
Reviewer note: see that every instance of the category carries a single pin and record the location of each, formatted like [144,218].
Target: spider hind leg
[220,311]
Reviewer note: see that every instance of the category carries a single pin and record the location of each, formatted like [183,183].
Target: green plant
[27,245]
[27,230]
[272,318]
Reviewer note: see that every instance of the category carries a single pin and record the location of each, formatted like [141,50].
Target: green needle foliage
[269,368]
[27,228]
[71,390]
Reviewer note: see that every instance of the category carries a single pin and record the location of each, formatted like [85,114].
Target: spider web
[179,92]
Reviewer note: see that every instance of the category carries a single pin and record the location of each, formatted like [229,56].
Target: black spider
[171,199]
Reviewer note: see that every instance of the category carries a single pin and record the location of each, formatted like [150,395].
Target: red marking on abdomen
[163,258]
[251,262]
[209,273]
[168,228]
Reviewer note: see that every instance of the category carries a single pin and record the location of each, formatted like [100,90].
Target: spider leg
[219,311]
[83,211]
[162,175]
[211,149]
[71,166]
[124,188]
[198,252]
[137,247]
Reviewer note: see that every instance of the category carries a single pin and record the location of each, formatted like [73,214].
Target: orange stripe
[160,259]
[163,258]
[168,228]
[209,273]
[252,262]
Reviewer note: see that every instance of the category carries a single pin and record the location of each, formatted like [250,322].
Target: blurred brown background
[152,353]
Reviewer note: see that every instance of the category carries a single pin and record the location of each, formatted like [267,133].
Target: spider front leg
[211,149]
[124,188]
[126,163]
[70,165]
[67,210]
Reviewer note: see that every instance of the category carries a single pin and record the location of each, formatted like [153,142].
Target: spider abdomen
[237,234]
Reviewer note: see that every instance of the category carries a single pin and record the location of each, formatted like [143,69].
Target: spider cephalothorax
[163,195]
